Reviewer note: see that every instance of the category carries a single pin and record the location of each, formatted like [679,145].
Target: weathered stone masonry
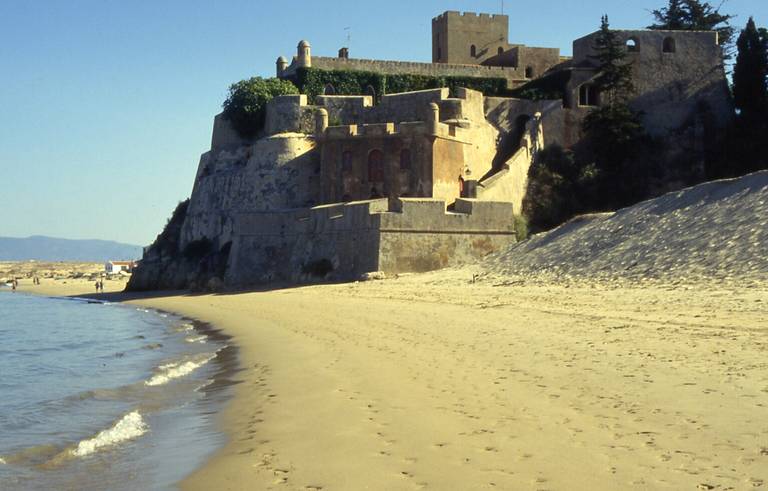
[408,234]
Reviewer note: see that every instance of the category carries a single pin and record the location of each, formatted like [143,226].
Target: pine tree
[750,89]
[694,15]
[615,79]
[671,17]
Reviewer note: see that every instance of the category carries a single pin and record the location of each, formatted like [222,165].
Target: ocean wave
[179,369]
[131,426]
[202,338]
[185,327]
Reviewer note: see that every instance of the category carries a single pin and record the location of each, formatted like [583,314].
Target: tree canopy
[750,74]
[246,105]
[615,79]
[694,15]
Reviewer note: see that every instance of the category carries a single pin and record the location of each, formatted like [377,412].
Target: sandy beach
[435,381]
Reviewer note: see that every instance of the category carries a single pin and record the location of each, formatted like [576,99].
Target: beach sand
[432,381]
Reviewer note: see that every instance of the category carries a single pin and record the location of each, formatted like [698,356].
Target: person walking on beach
[97,286]
[14,284]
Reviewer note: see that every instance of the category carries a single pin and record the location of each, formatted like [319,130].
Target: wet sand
[432,381]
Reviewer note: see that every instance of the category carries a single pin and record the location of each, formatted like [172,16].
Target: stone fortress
[350,184]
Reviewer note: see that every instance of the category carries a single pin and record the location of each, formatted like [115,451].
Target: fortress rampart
[346,240]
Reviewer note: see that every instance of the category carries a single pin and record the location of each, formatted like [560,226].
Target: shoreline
[433,381]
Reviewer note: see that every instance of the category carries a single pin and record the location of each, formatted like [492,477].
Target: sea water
[105,396]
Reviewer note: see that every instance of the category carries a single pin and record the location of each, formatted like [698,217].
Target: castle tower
[281,65]
[468,38]
[303,55]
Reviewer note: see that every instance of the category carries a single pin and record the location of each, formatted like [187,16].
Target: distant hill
[43,248]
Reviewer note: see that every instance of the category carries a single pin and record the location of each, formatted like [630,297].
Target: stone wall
[511,183]
[224,136]
[342,241]
[276,172]
[454,33]
[672,87]
[506,113]
[290,114]
[513,75]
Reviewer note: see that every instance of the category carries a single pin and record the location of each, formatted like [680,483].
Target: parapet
[289,114]
[470,16]
[224,135]
[380,130]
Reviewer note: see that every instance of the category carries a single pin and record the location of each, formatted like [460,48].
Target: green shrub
[548,87]
[246,105]
[313,81]
[521,227]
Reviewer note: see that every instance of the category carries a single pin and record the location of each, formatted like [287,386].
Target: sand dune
[714,231]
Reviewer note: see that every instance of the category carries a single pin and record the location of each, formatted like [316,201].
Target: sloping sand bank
[717,231]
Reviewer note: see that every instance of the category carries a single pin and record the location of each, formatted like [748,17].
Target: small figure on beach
[97,286]
[14,284]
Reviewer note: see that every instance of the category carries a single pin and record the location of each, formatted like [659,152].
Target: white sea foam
[202,338]
[172,371]
[131,426]
[204,385]
[185,327]
[2,461]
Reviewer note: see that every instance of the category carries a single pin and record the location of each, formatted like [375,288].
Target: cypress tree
[615,79]
[750,92]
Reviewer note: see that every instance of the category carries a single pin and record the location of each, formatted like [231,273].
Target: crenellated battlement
[383,130]
[470,16]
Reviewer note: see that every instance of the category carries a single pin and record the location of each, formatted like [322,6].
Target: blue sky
[106,105]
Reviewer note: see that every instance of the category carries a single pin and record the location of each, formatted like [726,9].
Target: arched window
[329,90]
[529,72]
[587,95]
[632,45]
[500,51]
[405,159]
[346,162]
[472,51]
[669,45]
[375,166]
[375,193]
